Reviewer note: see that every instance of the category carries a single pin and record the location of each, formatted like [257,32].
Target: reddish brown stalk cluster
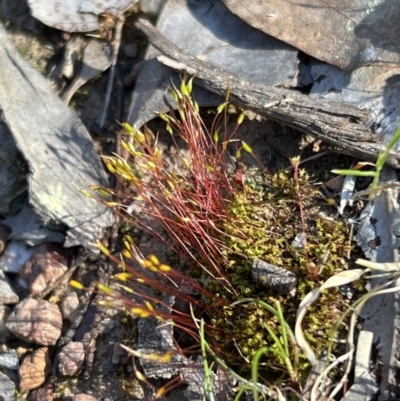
[187,195]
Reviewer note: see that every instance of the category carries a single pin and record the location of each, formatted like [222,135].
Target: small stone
[274,277]
[9,359]
[131,50]
[34,369]
[84,397]
[43,393]
[47,264]
[4,332]
[71,358]
[4,232]
[70,306]
[7,293]
[37,321]
[299,241]
[15,255]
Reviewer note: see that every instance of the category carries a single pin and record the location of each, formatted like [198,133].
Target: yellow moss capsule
[104,288]
[140,376]
[127,127]
[129,239]
[186,163]
[221,108]
[136,310]
[110,168]
[240,118]
[149,306]
[86,193]
[182,115]
[76,284]
[112,204]
[123,276]
[189,85]
[154,260]
[138,137]
[160,391]
[106,302]
[216,137]
[158,152]
[127,254]
[102,248]
[246,147]
[192,202]
[152,166]
[184,89]
[164,117]
[147,264]
[167,356]
[164,268]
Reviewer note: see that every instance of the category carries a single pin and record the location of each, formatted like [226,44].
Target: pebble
[15,255]
[71,358]
[70,306]
[7,293]
[43,393]
[36,321]
[47,264]
[34,369]
[131,50]
[9,359]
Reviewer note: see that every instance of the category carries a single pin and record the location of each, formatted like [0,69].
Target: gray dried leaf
[348,34]
[76,15]
[57,147]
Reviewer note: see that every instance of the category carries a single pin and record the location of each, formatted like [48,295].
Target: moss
[265,219]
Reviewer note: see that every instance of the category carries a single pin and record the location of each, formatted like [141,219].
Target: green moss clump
[265,219]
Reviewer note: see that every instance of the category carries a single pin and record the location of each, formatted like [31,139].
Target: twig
[340,125]
[115,49]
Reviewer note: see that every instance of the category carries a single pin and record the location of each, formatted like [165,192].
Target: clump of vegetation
[219,221]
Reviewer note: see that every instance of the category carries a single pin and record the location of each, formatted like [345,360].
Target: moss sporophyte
[219,221]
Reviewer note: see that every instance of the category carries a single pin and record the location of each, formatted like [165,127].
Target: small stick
[115,50]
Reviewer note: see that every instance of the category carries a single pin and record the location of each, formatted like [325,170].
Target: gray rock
[37,321]
[15,255]
[7,388]
[9,359]
[274,277]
